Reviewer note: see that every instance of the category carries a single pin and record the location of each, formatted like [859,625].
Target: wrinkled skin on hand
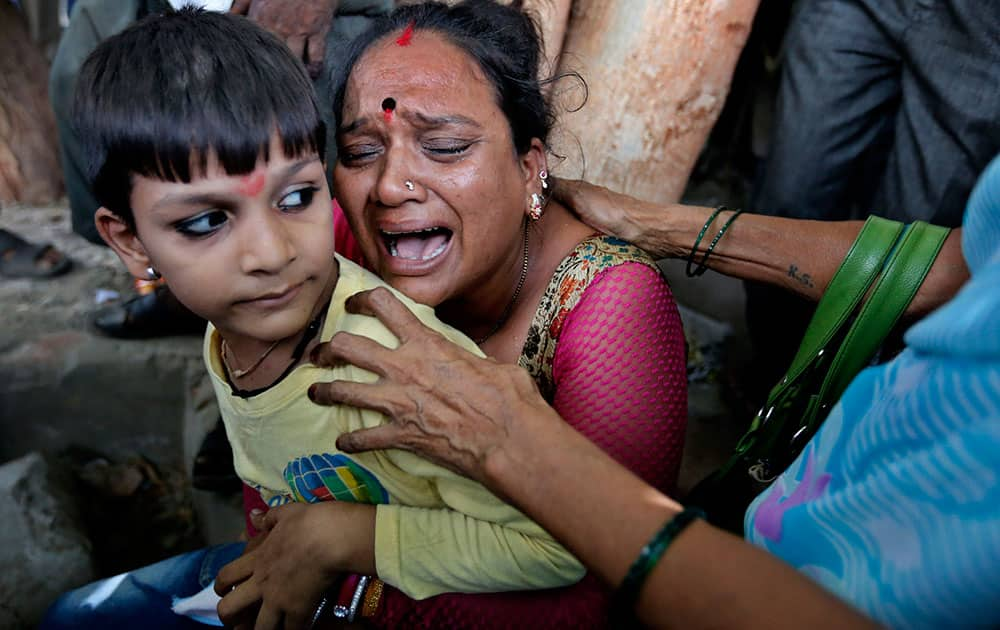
[302,551]
[639,222]
[597,206]
[444,403]
[302,24]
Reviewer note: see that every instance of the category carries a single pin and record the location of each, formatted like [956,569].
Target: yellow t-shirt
[435,531]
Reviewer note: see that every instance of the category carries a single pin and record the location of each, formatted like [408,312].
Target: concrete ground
[146,404]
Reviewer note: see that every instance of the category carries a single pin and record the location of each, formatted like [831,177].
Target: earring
[409,185]
[152,274]
[544,176]
[535,211]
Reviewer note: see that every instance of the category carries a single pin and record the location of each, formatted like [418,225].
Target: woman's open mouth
[418,245]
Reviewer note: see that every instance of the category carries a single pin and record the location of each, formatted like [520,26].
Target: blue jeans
[142,598]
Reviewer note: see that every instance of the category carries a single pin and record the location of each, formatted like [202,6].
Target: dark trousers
[886,107]
[93,21]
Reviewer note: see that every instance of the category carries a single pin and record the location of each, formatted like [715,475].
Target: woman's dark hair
[502,39]
[158,98]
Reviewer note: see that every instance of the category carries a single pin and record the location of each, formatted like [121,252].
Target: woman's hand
[598,207]
[444,403]
[661,230]
[306,548]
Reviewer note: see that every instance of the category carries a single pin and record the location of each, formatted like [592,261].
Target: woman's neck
[476,313]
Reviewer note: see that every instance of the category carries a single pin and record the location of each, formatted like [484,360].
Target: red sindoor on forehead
[407,37]
[388,107]
[252,184]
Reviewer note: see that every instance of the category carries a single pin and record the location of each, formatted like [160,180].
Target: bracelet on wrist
[628,591]
[373,598]
[352,590]
[702,266]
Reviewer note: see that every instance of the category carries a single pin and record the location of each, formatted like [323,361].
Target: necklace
[256,364]
[307,336]
[513,299]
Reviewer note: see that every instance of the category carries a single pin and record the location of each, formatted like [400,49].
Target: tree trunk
[553,18]
[658,72]
[29,150]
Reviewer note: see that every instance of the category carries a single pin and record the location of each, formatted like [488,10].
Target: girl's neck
[241,358]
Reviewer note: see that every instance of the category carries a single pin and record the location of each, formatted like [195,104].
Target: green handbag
[865,299]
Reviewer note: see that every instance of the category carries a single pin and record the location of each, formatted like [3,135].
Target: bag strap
[905,271]
[848,286]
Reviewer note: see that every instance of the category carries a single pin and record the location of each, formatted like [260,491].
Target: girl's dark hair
[504,41]
[158,98]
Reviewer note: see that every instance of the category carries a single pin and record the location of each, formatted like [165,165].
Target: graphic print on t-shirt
[327,477]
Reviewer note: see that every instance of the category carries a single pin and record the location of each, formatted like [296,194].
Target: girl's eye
[202,224]
[298,199]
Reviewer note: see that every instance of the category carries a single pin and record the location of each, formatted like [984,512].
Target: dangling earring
[544,176]
[535,211]
[152,274]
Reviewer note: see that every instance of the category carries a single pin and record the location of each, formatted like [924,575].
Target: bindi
[388,108]
[407,37]
[252,184]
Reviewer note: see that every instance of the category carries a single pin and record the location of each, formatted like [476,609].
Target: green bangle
[628,591]
[702,266]
[701,235]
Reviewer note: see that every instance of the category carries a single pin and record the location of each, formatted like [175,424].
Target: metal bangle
[348,613]
[318,613]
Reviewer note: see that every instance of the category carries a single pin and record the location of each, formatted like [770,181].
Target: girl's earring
[151,274]
[535,211]
[544,176]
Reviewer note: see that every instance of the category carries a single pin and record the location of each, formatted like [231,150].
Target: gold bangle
[373,597]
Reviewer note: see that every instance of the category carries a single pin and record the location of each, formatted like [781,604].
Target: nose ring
[409,185]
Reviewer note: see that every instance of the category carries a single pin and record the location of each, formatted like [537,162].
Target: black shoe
[157,314]
[213,465]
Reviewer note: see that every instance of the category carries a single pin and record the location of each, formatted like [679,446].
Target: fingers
[260,523]
[269,619]
[381,437]
[233,574]
[239,604]
[315,50]
[240,6]
[297,44]
[345,347]
[385,399]
[389,310]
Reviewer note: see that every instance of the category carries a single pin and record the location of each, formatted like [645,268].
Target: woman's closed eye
[202,224]
[297,199]
[357,154]
[447,148]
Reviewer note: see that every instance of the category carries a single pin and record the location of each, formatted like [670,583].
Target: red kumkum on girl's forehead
[252,184]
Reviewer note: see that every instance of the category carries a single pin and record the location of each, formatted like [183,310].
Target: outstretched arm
[796,254]
[489,422]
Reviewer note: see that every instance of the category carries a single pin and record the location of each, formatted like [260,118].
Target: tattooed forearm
[802,278]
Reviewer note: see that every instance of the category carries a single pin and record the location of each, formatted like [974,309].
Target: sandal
[21,259]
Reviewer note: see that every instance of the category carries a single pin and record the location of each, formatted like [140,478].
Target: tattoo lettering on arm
[802,278]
